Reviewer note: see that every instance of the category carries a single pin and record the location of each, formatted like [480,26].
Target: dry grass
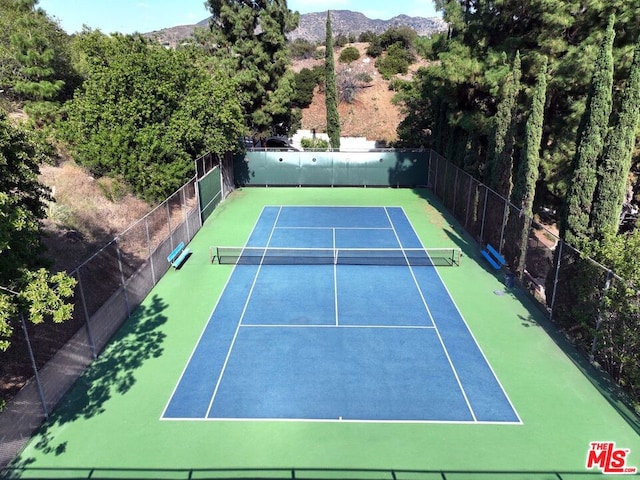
[86,213]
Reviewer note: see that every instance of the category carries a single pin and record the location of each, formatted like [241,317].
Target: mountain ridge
[312,26]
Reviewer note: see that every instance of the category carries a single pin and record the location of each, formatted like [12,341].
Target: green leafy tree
[145,112]
[251,39]
[614,330]
[26,285]
[589,146]
[613,171]
[331,91]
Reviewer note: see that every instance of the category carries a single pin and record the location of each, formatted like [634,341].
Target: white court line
[300,325]
[184,370]
[473,337]
[337,420]
[335,280]
[235,334]
[426,306]
[334,228]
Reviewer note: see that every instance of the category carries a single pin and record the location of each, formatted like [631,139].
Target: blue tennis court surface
[337,342]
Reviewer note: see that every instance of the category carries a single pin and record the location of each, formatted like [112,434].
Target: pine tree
[32,52]
[589,146]
[251,38]
[616,160]
[331,91]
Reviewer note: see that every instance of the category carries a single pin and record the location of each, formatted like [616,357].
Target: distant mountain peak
[312,26]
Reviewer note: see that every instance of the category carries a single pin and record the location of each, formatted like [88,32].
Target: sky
[128,16]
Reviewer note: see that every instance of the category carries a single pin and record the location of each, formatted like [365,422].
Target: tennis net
[336,256]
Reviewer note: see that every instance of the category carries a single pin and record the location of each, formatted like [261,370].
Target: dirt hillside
[372,115]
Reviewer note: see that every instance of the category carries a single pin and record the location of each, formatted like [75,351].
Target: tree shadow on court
[600,379]
[410,164]
[241,173]
[112,373]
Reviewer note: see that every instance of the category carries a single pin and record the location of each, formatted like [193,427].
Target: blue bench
[494,258]
[178,255]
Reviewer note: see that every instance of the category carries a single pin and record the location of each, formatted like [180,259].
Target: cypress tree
[501,155]
[589,146]
[501,166]
[528,172]
[614,168]
[331,91]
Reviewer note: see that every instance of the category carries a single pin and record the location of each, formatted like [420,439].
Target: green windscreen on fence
[381,169]
[210,192]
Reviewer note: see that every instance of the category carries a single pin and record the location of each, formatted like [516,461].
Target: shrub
[375,48]
[314,144]
[395,61]
[367,37]
[363,77]
[301,49]
[348,55]
[306,82]
[340,41]
[404,35]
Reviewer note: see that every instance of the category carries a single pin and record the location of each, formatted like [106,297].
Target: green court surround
[111,418]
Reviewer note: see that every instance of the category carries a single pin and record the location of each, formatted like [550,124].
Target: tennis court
[243,369]
[352,335]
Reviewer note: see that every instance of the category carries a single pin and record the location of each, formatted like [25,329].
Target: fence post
[169,223]
[555,278]
[505,211]
[183,203]
[153,270]
[446,183]
[198,199]
[122,280]
[35,367]
[86,316]
[607,284]
[466,220]
[484,213]
[435,180]
[455,192]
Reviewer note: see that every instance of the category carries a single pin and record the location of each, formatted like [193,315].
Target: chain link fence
[597,309]
[111,283]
